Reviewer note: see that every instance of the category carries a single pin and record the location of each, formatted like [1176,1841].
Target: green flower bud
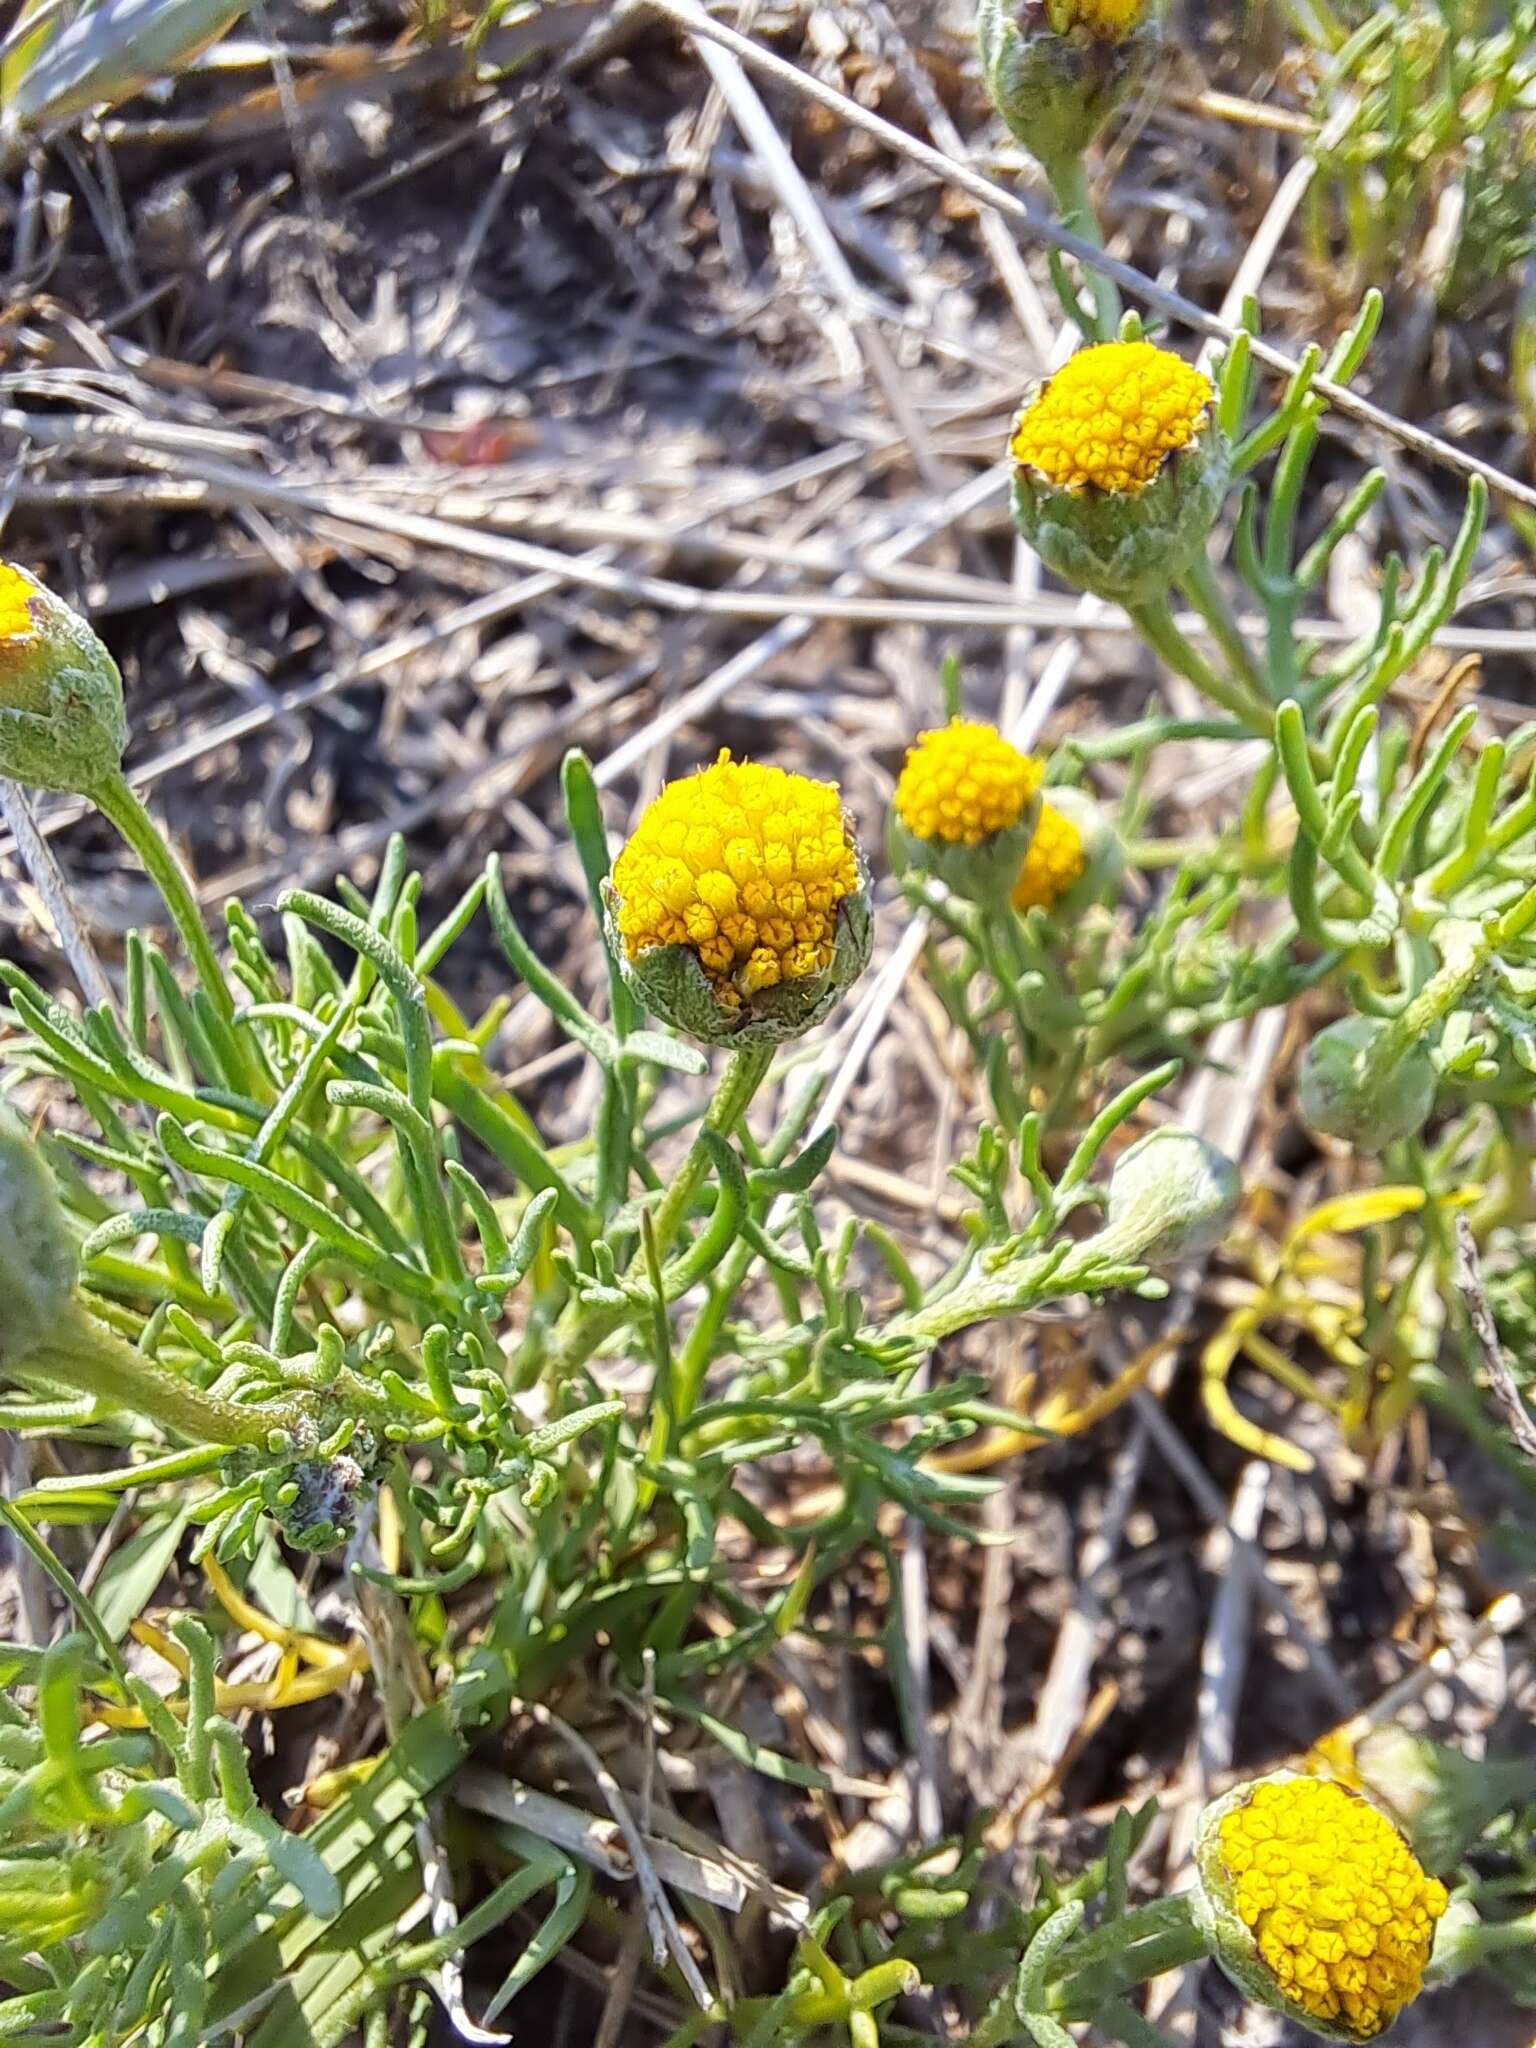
[966,808]
[1057,69]
[1344,1090]
[61,697]
[739,911]
[38,1259]
[1120,469]
[1171,1195]
[1314,1904]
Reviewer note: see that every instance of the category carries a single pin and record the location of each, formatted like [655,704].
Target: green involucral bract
[38,1262]
[62,724]
[1346,1093]
[1055,91]
[670,982]
[1127,546]
[984,873]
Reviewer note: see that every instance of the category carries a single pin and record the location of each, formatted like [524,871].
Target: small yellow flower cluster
[16,592]
[1343,1913]
[746,865]
[1054,862]
[1107,21]
[1110,416]
[962,782]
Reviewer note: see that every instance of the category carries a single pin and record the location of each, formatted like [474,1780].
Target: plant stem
[86,1355]
[743,1076]
[1155,623]
[117,803]
[1202,586]
[1464,962]
[1103,1965]
[741,1080]
[1069,185]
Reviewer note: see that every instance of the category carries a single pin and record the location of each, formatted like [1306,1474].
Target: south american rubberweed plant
[1379,866]
[284,1255]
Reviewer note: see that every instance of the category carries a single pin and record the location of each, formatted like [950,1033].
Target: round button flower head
[1057,69]
[1315,1905]
[61,697]
[1120,468]
[966,806]
[1074,859]
[739,910]
[1055,861]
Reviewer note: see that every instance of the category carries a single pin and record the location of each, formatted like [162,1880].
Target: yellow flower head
[23,689]
[1110,416]
[1055,860]
[16,593]
[961,783]
[1340,1911]
[1107,21]
[745,867]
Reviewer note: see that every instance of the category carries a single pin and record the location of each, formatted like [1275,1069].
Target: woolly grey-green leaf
[38,1261]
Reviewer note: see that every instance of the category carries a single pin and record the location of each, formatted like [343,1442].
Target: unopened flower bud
[1171,1195]
[1074,859]
[1346,1090]
[1057,69]
[739,910]
[61,697]
[1120,467]
[965,810]
[1314,1904]
[38,1260]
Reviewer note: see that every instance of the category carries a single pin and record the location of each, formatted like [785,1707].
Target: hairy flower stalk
[1056,70]
[738,912]
[1315,1905]
[965,811]
[1170,1196]
[1120,468]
